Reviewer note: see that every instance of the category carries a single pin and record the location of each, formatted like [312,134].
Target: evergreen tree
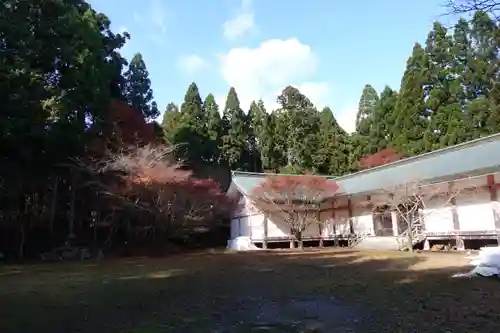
[331,156]
[281,140]
[485,80]
[170,122]
[384,115]
[235,147]
[191,133]
[138,92]
[443,93]
[272,156]
[411,119]
[359,143]
[364,117]
[303,124]
[356,147]
[256,118]
[214,127]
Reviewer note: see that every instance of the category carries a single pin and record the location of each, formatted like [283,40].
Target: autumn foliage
[131,127]
[382,157]
[147,180]
[296,199]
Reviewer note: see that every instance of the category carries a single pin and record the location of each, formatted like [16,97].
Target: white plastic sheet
[242,244]
[487,263]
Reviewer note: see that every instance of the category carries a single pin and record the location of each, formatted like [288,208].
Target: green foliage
[411,115]
[214,127]
[191,130]
[331,156]
[138,92]
[364,117]
[60,66]
[235,145]
[171,118]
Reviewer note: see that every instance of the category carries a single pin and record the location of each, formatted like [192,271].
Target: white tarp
[487,263]
[241,244]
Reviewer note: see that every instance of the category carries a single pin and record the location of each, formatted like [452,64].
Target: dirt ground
[280,291]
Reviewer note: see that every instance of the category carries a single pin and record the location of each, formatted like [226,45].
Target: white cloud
[192,63]
[241,24]
[317,92]
[262,72]
[347,118]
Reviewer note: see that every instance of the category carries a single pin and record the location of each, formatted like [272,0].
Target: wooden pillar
[454,212]
[320,229]
[264,243]
[494,204]
[349,210]
[395,223]
[368,198]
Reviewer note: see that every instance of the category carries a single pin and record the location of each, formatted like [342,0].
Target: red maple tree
[384,156]
[295,198]
[130,125]
[128,128]
[147,179]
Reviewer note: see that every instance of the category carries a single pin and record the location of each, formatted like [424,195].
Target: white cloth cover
[242,244]
[487,263]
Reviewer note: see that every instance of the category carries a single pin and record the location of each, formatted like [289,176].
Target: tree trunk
[409,238]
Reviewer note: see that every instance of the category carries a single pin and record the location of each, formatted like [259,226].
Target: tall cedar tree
[59,66]
[383,119]
[138,92]
[485,36]
[235,147]
[303,125]
[256,118]
[171,119]
[214,127]
[366,108]
[331,156]
[360,141]
[272,155]
[443,93]
[191,133]
[411,119]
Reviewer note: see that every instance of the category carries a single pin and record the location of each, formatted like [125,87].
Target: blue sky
[328,49]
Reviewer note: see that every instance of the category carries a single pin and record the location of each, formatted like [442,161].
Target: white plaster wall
[473,206]
[473,182]
[341,221]
[276,227]
[438,216]
[362,218]
[475,210]
[234,228]
[249,221]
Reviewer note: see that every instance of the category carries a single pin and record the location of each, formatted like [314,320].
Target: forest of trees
[69,98]
[450,93]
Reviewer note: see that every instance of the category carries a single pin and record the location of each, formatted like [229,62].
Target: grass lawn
[342,290]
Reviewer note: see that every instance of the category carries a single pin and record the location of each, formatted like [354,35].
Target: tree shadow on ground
[240,292]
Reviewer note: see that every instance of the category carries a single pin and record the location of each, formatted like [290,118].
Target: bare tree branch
[295,199]
[411,201]
[149,179]
[460,7]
